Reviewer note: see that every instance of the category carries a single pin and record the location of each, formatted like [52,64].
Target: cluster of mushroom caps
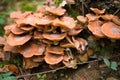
[47,35]
[102,25]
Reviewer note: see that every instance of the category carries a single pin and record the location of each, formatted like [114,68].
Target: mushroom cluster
[47,35]
[102,25]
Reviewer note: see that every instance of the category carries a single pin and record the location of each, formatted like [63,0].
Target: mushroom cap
[55,50]
[2,40]
[111,30]
[66,22]
[46,20]
[27,27]
[16,30]
[16,15]
[28,63]
[54,37]
[8,28]
[28,20]
[97,11]
[38,58]
[8,48]
[76,30]
[107,17]
[92,17]
[31,48]
[116,20]
[82,19]
[95,28]
[38,35]
[59,11]
[16,40]
[53,59]
[66,44]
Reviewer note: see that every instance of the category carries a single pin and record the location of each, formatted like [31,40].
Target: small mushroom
[16,15]
[8,28]
[28,63]
[28,20]
[82,19]
[27,28]
[8,48]
[107,17]
[76,30]
[92,17]
[95,28]
[16,40]
[16,30]
[116,20]
[111,30]
[53,59]
[65,22]
[31,48]
[54,37]
[55,50]
[59,11]
[97,11]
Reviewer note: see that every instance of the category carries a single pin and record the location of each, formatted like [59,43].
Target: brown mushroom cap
[8,28]
[16,40]
[28,20]
[27,28]
[116,20]
[66,22]
[9,48]
[111,30]
[30,49]
[92,17]
[97,11]
[46,20]
[38,35]
[53,59]
[2,40]
[16,30]
[107,17]
[95,28]
[38,58]
[16,15]
[28,63]
[82,19]
[54,37]
[76,30]
[55,50]
[59,11]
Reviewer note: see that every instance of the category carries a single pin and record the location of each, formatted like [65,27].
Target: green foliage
[73,13]
[41,76]
[111,64]
[7,76]
[57,2]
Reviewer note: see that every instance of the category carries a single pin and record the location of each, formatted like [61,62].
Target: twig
[53,70]
[116,11]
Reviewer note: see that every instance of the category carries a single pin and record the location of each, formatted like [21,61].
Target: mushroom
[82,19]
[111,30]
[8,28]
[55,50]
[38,35]
[8,48]
[28,63]
[38,58]
[28,20]
[95,28]
[2,40]
[59,11]
[107,17]
[31,48]
[97,11]
[76,30]
[16,40]
[45,20]
[116,20]
[53,59]
[65,22]
[27,28]
[16,15]
[16,30]
[54,37]
[92,17]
